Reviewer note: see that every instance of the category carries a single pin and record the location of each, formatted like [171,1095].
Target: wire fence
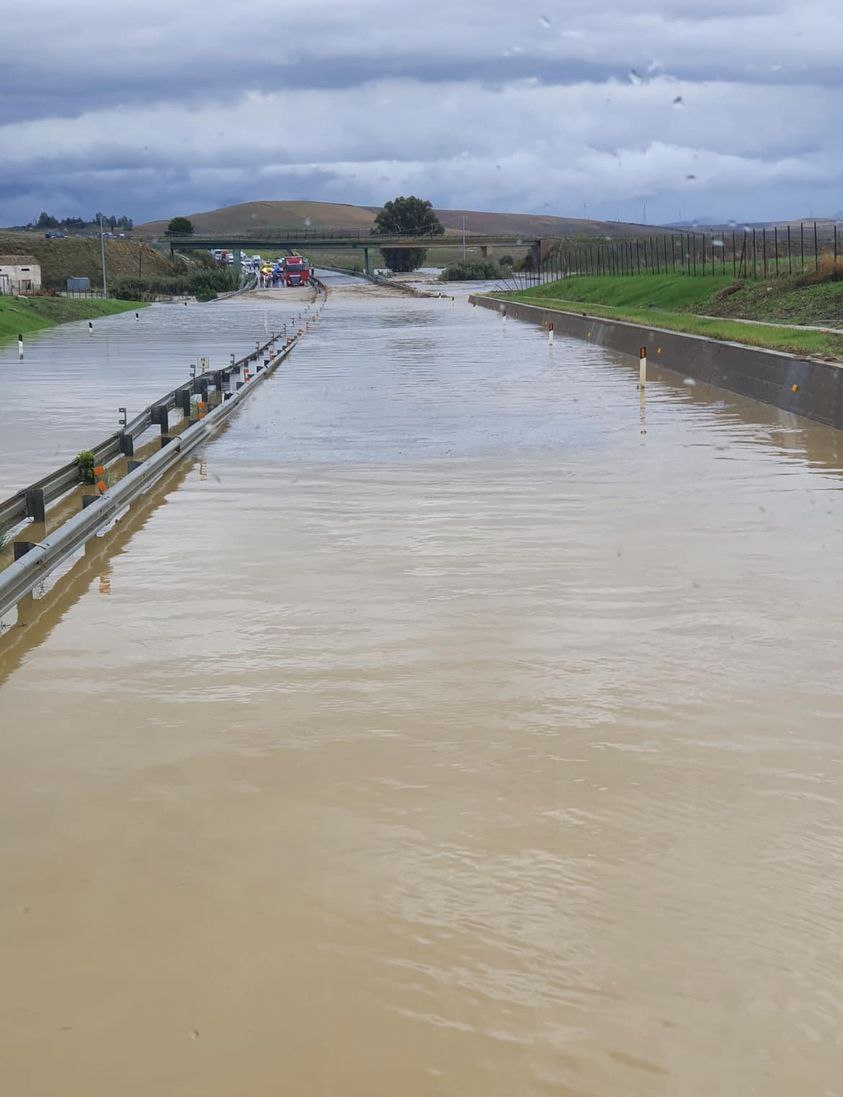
[743,254]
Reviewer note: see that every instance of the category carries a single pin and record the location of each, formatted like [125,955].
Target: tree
[180,226]
[45,221]
[409,216]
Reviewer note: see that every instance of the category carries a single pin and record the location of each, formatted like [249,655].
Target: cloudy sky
[722,108]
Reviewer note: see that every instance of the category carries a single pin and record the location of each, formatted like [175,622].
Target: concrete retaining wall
[800,385]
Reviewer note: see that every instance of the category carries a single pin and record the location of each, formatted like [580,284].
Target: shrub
[471,270]
[85,464]
[204,284]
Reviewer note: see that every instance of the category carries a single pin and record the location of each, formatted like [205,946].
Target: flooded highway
[457,724]
[65,394]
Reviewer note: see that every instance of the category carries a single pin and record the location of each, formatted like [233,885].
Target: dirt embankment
[80,258]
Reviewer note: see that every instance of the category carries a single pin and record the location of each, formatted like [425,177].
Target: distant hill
[267,216]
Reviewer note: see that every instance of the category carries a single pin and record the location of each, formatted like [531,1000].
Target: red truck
[295,270]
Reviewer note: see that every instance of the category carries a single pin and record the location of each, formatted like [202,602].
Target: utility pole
[102,256]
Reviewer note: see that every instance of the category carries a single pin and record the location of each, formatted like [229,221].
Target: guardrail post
[132,465]
[36,506]
[183,397]
[127,443]
[158,414]
[88,499]
[21,548]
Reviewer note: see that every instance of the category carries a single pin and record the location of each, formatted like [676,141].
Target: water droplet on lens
[690,176]
[679,102]
[543,19]
[634,77]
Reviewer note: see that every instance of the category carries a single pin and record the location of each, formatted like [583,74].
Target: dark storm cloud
[536,105]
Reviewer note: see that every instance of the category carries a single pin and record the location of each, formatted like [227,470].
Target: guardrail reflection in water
[38,559]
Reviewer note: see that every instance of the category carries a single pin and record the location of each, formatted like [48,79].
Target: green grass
[664,291]
[27,314]
[786,303]
[675,302]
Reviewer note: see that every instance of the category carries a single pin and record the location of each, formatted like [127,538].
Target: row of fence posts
[751,253]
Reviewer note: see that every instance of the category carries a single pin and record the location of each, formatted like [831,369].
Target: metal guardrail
[24,575]
[30,501]
[21,577]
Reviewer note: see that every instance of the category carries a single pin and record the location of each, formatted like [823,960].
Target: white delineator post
[642,367]
[550,334]
[20,346]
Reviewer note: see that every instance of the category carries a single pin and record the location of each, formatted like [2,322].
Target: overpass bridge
[299,240]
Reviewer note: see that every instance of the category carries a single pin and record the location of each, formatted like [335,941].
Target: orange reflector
[102,486]
[99,470]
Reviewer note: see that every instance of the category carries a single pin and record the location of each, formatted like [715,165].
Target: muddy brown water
[455,725]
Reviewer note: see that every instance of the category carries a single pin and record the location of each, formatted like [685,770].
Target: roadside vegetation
[204,284]
[476,270]
[22,315]
[713,306]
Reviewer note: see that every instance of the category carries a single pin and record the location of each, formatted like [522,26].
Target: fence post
[776,246]
[816,249]
[764,248]
[789,253]
[802,245]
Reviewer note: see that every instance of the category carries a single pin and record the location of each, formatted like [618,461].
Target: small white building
[19,274]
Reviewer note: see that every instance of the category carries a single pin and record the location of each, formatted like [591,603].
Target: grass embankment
[77,257]
[707,306]
[27,314]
